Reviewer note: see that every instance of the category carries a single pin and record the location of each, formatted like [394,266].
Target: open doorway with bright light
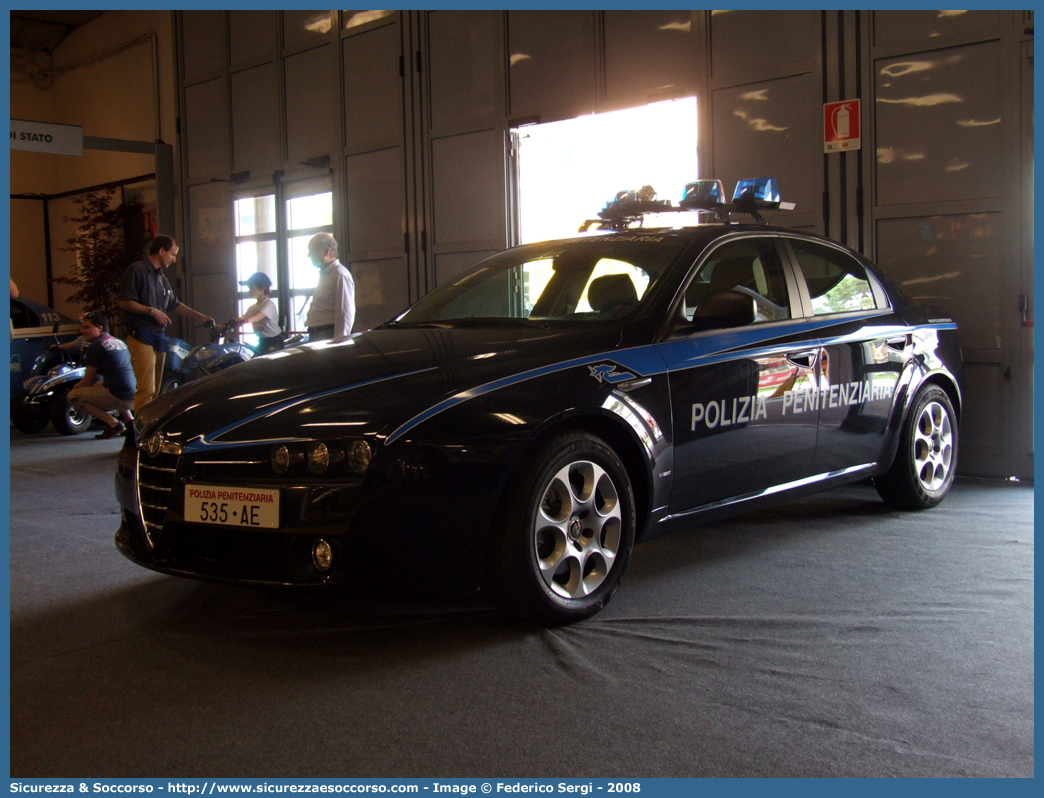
[568,170]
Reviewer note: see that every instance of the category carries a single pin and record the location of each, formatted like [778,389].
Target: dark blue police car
[527,422]
[32,333]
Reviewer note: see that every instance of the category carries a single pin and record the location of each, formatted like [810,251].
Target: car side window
[748,269]
[20,316]
[837,283]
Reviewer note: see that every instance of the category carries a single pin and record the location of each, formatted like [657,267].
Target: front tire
[66,418]
[926,462]
[564,533]
[25,418]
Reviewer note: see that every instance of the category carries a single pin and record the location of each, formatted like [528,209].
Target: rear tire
[67,419]
[563,535]
[926,462]
[25,418]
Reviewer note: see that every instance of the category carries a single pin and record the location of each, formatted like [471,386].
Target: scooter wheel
[66,418]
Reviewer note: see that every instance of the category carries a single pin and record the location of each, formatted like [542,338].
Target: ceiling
[44,30]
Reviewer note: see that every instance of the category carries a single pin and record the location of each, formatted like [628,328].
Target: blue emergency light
[752,195]
[703,195]
[761,192]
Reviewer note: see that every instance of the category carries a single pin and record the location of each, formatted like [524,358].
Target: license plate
[253,508]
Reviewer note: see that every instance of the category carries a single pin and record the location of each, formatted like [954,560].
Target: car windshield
[585,280]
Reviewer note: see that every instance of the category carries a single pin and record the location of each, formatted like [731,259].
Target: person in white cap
[263,314]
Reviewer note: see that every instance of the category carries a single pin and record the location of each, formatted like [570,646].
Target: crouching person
[108,359]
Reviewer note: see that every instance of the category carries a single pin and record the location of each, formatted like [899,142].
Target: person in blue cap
[263,314]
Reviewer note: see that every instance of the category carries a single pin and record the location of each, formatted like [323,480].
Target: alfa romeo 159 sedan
[524,424]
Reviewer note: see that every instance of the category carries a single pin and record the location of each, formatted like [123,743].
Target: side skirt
[726,508]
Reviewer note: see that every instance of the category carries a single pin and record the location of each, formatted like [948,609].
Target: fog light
[322,555]
[280,459]
[318,458]
[360,456]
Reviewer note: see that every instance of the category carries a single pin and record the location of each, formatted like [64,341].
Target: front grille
[155,483]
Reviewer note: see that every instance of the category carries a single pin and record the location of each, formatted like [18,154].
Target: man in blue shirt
[148,299]
[108,360]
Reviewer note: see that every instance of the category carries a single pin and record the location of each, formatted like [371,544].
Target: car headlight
[320,457]
[360,456]
[280,458]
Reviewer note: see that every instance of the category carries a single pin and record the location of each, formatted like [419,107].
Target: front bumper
[418,522]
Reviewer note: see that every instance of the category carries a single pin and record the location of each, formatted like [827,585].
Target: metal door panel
[935,28]
[372,89]
[203,34]
[756,45]
[956,262]
[551,63]
[376,204]
[206,130]
[764,129]
[255,120]
[468,189]
[381,290]
[940,125]
[466,60]
[649,55]
[252,37]
[303,30]
[311,97]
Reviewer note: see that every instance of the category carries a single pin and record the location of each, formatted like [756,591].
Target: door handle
[805,360]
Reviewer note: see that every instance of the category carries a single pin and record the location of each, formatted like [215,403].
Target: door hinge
[424,240]
[406,242]
[1024,309]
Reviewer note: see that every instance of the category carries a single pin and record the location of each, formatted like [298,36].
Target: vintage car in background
[522,425]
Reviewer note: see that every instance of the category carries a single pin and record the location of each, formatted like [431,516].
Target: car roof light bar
[752,195]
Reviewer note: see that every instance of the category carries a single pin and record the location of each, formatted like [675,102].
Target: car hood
[369,384]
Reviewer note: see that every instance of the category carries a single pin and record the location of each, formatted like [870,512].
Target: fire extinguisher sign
[841,126]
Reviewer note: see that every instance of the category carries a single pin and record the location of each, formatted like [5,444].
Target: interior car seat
[611,293]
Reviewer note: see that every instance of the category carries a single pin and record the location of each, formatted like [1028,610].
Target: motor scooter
[31,409]
[45,396]
[222,351]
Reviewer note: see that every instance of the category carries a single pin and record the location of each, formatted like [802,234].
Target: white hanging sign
[45,137]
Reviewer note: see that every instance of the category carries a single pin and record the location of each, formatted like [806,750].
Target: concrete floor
[830,636]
